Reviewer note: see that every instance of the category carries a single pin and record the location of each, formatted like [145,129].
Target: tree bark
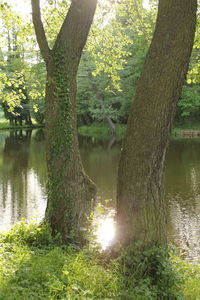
[141,211]
[70,191]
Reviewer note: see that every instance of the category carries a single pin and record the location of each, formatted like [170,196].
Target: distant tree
[188,107]
[16,101]
[14,94]
[141,211]
[70,191]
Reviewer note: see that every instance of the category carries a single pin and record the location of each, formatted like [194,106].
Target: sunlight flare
[146,4]
[105,232]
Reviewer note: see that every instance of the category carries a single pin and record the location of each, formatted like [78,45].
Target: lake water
[23,177]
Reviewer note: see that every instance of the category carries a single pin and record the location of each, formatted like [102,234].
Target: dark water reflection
[23,179]
[22,176]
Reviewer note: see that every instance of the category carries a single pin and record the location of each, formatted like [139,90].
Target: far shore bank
[101,130]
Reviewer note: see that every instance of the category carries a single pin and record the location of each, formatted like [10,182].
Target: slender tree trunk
[141,211]
[70,191]
[111,125]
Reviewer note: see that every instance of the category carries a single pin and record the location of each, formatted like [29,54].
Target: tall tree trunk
[70,191]
[141,212]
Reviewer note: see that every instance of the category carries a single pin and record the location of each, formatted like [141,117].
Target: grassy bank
[186,129]
[6,125]
[33,266]
[101,131]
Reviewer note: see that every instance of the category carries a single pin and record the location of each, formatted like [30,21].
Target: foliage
[149,274]
[194,67]
[190,276]
[110,65]
[51,272]
[19,60]
[189,103]
[31,234]
[34,265]
[37,79]
[15,100]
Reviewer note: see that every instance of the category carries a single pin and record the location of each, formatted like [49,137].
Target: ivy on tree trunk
[70,191]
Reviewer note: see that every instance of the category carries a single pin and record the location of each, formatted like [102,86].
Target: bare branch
[39,30]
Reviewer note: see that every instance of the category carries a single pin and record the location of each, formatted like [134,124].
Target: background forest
[109,69]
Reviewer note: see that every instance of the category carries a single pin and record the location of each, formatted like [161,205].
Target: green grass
[186,125]
[33,265]
[4,124]
[101,131]
[1,115]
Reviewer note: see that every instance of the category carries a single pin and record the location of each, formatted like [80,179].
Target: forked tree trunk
[70,191]
[141,210]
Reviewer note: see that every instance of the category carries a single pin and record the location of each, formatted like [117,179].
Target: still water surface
[23,177]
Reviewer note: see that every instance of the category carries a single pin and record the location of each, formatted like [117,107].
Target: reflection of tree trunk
[111,142]
[20,133]
[141,208]
[28,133]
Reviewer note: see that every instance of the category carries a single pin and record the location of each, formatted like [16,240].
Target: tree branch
[75,28]
[39,30]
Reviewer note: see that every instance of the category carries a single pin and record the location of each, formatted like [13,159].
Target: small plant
[149,274]
[30,234]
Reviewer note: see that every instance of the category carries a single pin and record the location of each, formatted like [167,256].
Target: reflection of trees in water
[111,142]
[15,165]
[100,160]
[39,136]
[184,229]
[182,184]
[37,157]
[22,193]
[16,150]
[90,142]
[182,175]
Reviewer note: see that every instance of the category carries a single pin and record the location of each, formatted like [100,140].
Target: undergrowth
[36,266]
